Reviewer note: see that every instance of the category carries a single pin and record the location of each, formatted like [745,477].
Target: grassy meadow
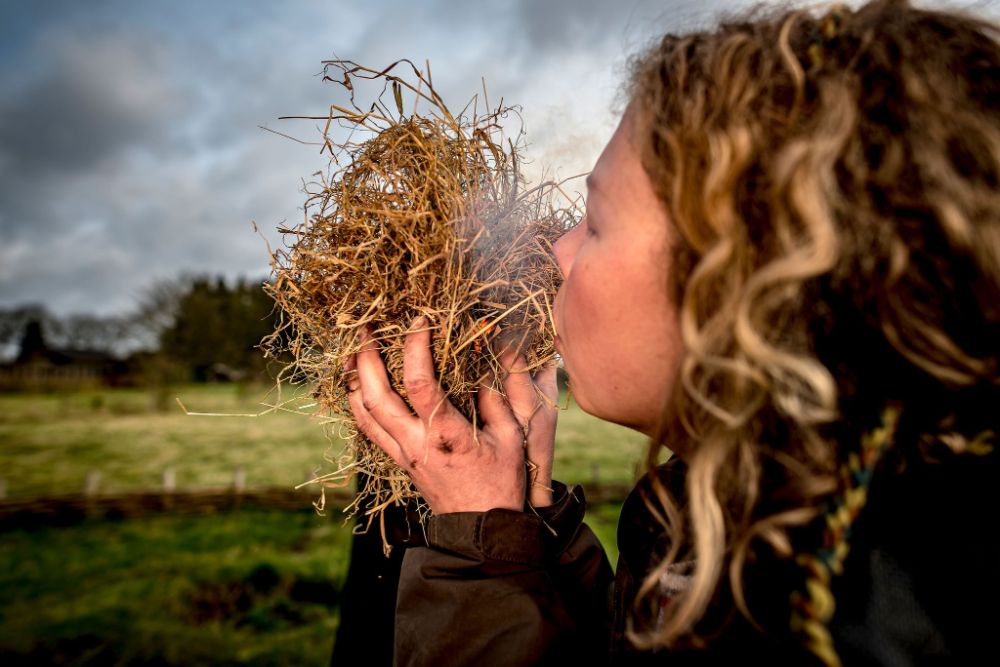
[247,587]
[48,442]
[251,586]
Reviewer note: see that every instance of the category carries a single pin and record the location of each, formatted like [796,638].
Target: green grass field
[252,586]
[248,587]
[48,442]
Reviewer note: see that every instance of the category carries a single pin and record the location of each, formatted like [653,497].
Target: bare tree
[157,310]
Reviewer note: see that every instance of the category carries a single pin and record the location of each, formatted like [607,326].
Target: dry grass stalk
[425,213]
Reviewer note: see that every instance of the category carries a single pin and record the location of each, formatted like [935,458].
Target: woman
[789,275]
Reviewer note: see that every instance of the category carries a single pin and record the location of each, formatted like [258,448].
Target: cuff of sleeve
[499,534]
[527,538]
[564,517]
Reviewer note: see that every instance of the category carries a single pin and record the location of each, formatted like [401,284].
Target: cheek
[623,343]
[592,338]
[580,305]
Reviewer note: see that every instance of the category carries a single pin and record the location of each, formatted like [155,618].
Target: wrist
[458,508]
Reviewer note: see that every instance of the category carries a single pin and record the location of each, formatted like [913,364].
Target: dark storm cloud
[129,152]
[91,98]
[66,138]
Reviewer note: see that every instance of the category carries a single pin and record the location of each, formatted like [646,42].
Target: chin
[580,398]
[645,429]
[628,421]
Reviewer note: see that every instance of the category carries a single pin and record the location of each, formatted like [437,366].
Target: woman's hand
[455,467]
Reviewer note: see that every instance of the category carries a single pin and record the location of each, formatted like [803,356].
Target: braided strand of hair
[828,28]
[813,608]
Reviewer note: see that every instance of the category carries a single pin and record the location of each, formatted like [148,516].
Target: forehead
[619,170]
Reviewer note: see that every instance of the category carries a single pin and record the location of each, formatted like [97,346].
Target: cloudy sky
[130,140]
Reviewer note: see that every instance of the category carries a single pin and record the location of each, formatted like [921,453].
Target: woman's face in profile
[617,330]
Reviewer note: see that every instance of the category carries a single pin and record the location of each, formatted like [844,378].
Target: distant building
[39,366]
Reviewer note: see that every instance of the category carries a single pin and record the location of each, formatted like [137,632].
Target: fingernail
[419,322]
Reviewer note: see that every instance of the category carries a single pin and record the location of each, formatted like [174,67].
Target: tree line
[193,328]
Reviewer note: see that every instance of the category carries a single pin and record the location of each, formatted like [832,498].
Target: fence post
[239,479]
[91,487]
[239,485]
[169,486]
[169,480]
[92,484]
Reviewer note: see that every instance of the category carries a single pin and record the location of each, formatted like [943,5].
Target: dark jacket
[920,585]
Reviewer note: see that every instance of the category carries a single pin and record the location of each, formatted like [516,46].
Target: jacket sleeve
[505,588]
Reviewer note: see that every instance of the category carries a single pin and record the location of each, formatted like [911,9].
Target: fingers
[541,437]
[545,380]
[378,398]
[371,429]
[497,416]
[519,387]
[422,388]
[350,373]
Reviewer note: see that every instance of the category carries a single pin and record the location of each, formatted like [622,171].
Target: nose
[567,245]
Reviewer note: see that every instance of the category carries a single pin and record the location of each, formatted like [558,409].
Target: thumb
[546,381]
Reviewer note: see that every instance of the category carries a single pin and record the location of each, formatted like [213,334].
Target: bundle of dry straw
[423,213]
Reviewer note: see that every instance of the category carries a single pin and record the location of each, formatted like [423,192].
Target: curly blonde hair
[834,180]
